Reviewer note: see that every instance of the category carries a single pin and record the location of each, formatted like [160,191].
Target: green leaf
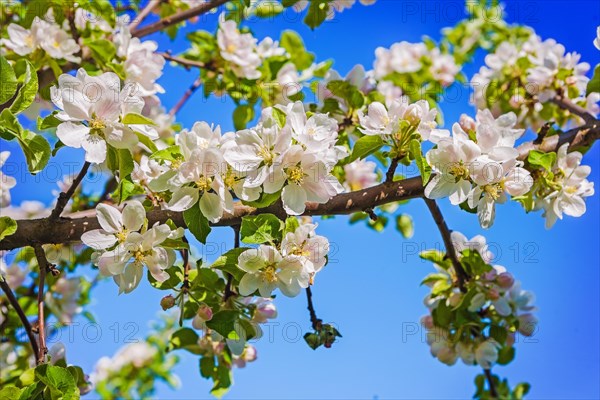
[136,119]
[103,49]
[542,159]
[294,45]
[171,153]
[197,223]
[317,12]
[184,338]
[404,224]
[365,146]
[223,322]
[8,226]
[8,81]
[265,200]
[207,366]
[594,83]
[175,278]
[125,163]
[10,393]
[125,190]
[48,122]
[291,224]
[263,228]
[222,379]
[313,340]
[347,91]
[29,86]
[36,149]
[414,147]
[228,262]
[506,355]
[498,333]
[242,115]
[146,141]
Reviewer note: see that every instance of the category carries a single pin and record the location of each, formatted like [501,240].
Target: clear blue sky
[372,290]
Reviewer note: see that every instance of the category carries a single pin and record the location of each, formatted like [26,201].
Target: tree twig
[43,265]
[236,244]
[389,175]
[201,9]
[566,104]
[144,13]
[26,325]
[69,230]
[186,96]
[315,321]
[492,385]
[183,61]
[64,197]
[438,217]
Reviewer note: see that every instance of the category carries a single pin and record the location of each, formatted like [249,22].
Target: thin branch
[43,265]
[201,9]
[183,61]
[26,325]
[146,11]
[186,96]
[236,244]
[69,230]
[389,175]
[566,104]
[315,321]
[447,238]
[492,385]
[64,198]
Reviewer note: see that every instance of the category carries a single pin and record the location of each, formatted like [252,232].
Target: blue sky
[371,288]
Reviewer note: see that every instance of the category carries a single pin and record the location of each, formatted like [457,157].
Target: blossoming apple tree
[87,77]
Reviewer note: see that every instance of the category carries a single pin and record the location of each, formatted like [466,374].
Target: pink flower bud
[167,302]
[527,324]
[467,123]
[427,322]
[205,312]
[510,339]
[505,280]
[447,355]
[493,294]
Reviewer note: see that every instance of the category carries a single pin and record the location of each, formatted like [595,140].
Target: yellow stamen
[295,175]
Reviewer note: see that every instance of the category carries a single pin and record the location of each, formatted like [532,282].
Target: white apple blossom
[44,35]
[137,354]
[266,269]
[239,49]
[92,108]
[494,180]
[477,243]
[124,245]
[486,353]
[452,161]
[441,346]
[360,174]
[444,68]
[268,48]
[336,6]
[63,298]
[6,182]
[571,187]
[142,65]
[597,40]
[310,248]
[14,275]
[402,57]
[85,18]
[248,355]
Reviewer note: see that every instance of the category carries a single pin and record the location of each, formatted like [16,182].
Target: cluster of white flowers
[296,158]
[6,182]
[142,65]
[496,292]
[478,164]
[63,298]
[396,123]
[536,70]
[14,275]
[289,268]
[405,57]
[569,187]
[44,35]
[125,244]
[92,111]
[138,354]
[242,50]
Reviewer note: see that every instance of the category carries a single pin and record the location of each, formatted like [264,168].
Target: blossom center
[269,274]
[97,123]
[122,235]
[459,170]
[231,48]
[295,175]
[204,183]
[266,155]
[494,190]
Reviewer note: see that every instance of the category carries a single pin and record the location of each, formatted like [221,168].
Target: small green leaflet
[365,146]
[197,223]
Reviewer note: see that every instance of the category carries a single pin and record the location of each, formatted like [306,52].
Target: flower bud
[486,353]
[167,302]
[455,299]
[527,324]
[205,312]
[427,322]
[505,280]
[467,123]
[493,294]
[264,312]
[413,115]
[447,355]
[510,339]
